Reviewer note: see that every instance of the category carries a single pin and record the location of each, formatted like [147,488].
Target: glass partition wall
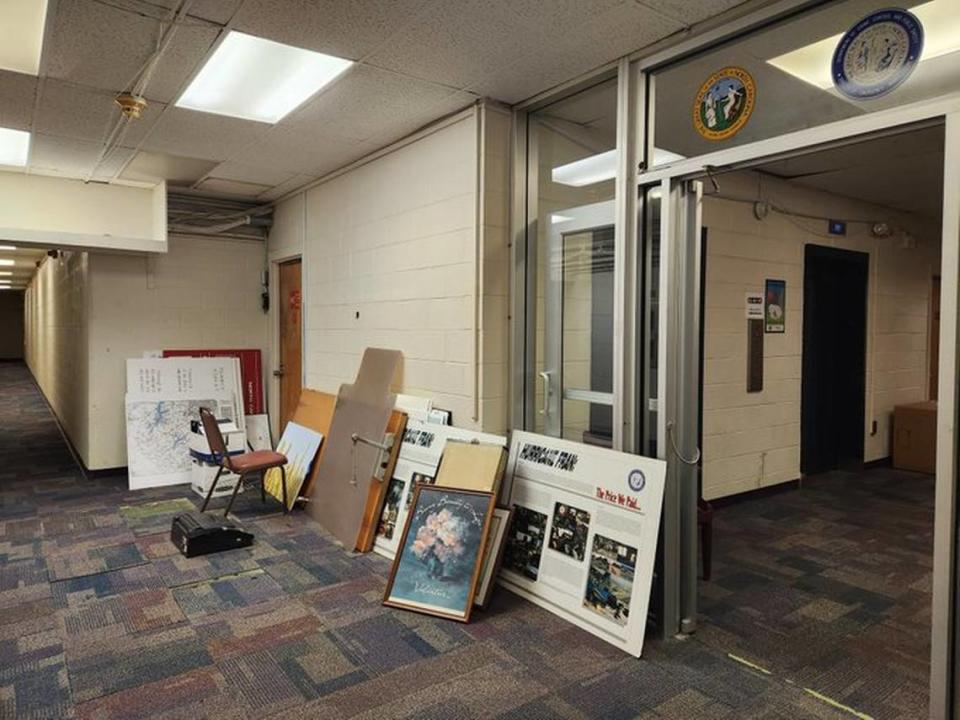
[571,166]
[589,188]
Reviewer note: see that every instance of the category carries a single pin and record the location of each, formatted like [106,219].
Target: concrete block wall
[395,255]
[753,440]
[56,341]
[87,313]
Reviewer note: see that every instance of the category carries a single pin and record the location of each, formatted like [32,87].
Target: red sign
[294,299]
[251,374]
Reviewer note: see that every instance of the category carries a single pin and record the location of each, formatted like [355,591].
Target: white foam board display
[583,535]
[419,458]
[163,397]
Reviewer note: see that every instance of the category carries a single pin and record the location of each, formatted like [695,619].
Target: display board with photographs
[583,535]
[420,453]
[437,568]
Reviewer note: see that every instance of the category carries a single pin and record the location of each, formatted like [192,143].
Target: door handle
[279,372]
[545,376]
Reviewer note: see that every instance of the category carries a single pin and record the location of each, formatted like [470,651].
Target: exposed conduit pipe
[210,229]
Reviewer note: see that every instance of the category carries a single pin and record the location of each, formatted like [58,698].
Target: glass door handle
[545,376]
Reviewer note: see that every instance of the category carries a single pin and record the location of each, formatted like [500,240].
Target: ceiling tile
[456,42]
[291,185]
[87,114]
[17,92]
[366,102]
[295,152]
[151,167]
[256,174]
[218,11]
[102,46]
[345,29]
[202,135]
[689,12]
[221,186]
[51,155]
[405,126]
[557,58]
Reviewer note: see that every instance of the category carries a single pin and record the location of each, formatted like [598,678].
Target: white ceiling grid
[417,61]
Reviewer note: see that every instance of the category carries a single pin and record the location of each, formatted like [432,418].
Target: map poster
[583,536]
[163,397]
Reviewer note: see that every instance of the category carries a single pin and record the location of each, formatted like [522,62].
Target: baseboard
[756,494]
[879,463]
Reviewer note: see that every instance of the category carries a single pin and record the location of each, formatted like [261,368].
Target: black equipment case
[196,533]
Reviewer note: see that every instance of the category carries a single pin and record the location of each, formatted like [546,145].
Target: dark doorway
[834,357]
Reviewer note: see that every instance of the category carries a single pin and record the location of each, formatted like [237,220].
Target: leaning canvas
[300,446]
[437,568]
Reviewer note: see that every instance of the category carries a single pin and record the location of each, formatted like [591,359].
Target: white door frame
[672,249]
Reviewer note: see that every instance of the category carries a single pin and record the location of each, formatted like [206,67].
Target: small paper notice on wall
[754,306]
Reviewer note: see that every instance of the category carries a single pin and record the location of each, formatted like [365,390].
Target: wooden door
[934,336]
[291,340]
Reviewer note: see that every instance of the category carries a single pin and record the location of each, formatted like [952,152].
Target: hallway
[101,618]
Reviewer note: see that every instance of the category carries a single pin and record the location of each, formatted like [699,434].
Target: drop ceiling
[416,61]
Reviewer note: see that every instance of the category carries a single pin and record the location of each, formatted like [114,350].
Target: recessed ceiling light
[5,272]
[5,262]
[941,36]
[256,79]
[5,248]
[14,147]
[21,35]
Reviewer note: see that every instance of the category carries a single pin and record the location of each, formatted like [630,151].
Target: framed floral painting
[438,565]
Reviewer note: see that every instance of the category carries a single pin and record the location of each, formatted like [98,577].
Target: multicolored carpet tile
[101,618]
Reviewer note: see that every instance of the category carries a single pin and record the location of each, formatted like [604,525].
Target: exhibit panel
[583,537]
[420,454]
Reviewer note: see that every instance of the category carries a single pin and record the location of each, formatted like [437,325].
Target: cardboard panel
[378,486]
[472,466]
[315,411]
[344,469]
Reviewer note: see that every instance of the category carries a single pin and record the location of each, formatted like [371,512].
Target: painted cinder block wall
[87,313]
[752,440]
[409,251]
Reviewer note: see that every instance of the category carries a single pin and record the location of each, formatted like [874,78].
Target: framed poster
[420,452]
[775,306]
[438,566]
[582,539]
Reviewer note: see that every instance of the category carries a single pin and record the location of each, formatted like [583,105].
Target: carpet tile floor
[101,618]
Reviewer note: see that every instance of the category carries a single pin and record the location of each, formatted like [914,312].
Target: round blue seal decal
[636,480]
[877,54]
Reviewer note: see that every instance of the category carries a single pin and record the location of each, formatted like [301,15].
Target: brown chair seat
[257,460]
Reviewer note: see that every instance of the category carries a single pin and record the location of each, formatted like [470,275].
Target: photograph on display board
[391,509]
[610,580]
[437,568]
[569,532]
[416,480]
[525,542]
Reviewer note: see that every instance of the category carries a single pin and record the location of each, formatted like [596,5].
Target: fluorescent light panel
[14,147]
[256,79]
[21,35]
[6,262]
[7,248]
[601,167]
[811,63]
[5,273]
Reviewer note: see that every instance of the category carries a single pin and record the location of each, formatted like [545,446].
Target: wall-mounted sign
[753,306]
[836,227]
[724,103]
[877,54]
[775,315]
[295,300]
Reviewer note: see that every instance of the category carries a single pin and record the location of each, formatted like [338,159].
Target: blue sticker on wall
[636,480]
[877,54]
